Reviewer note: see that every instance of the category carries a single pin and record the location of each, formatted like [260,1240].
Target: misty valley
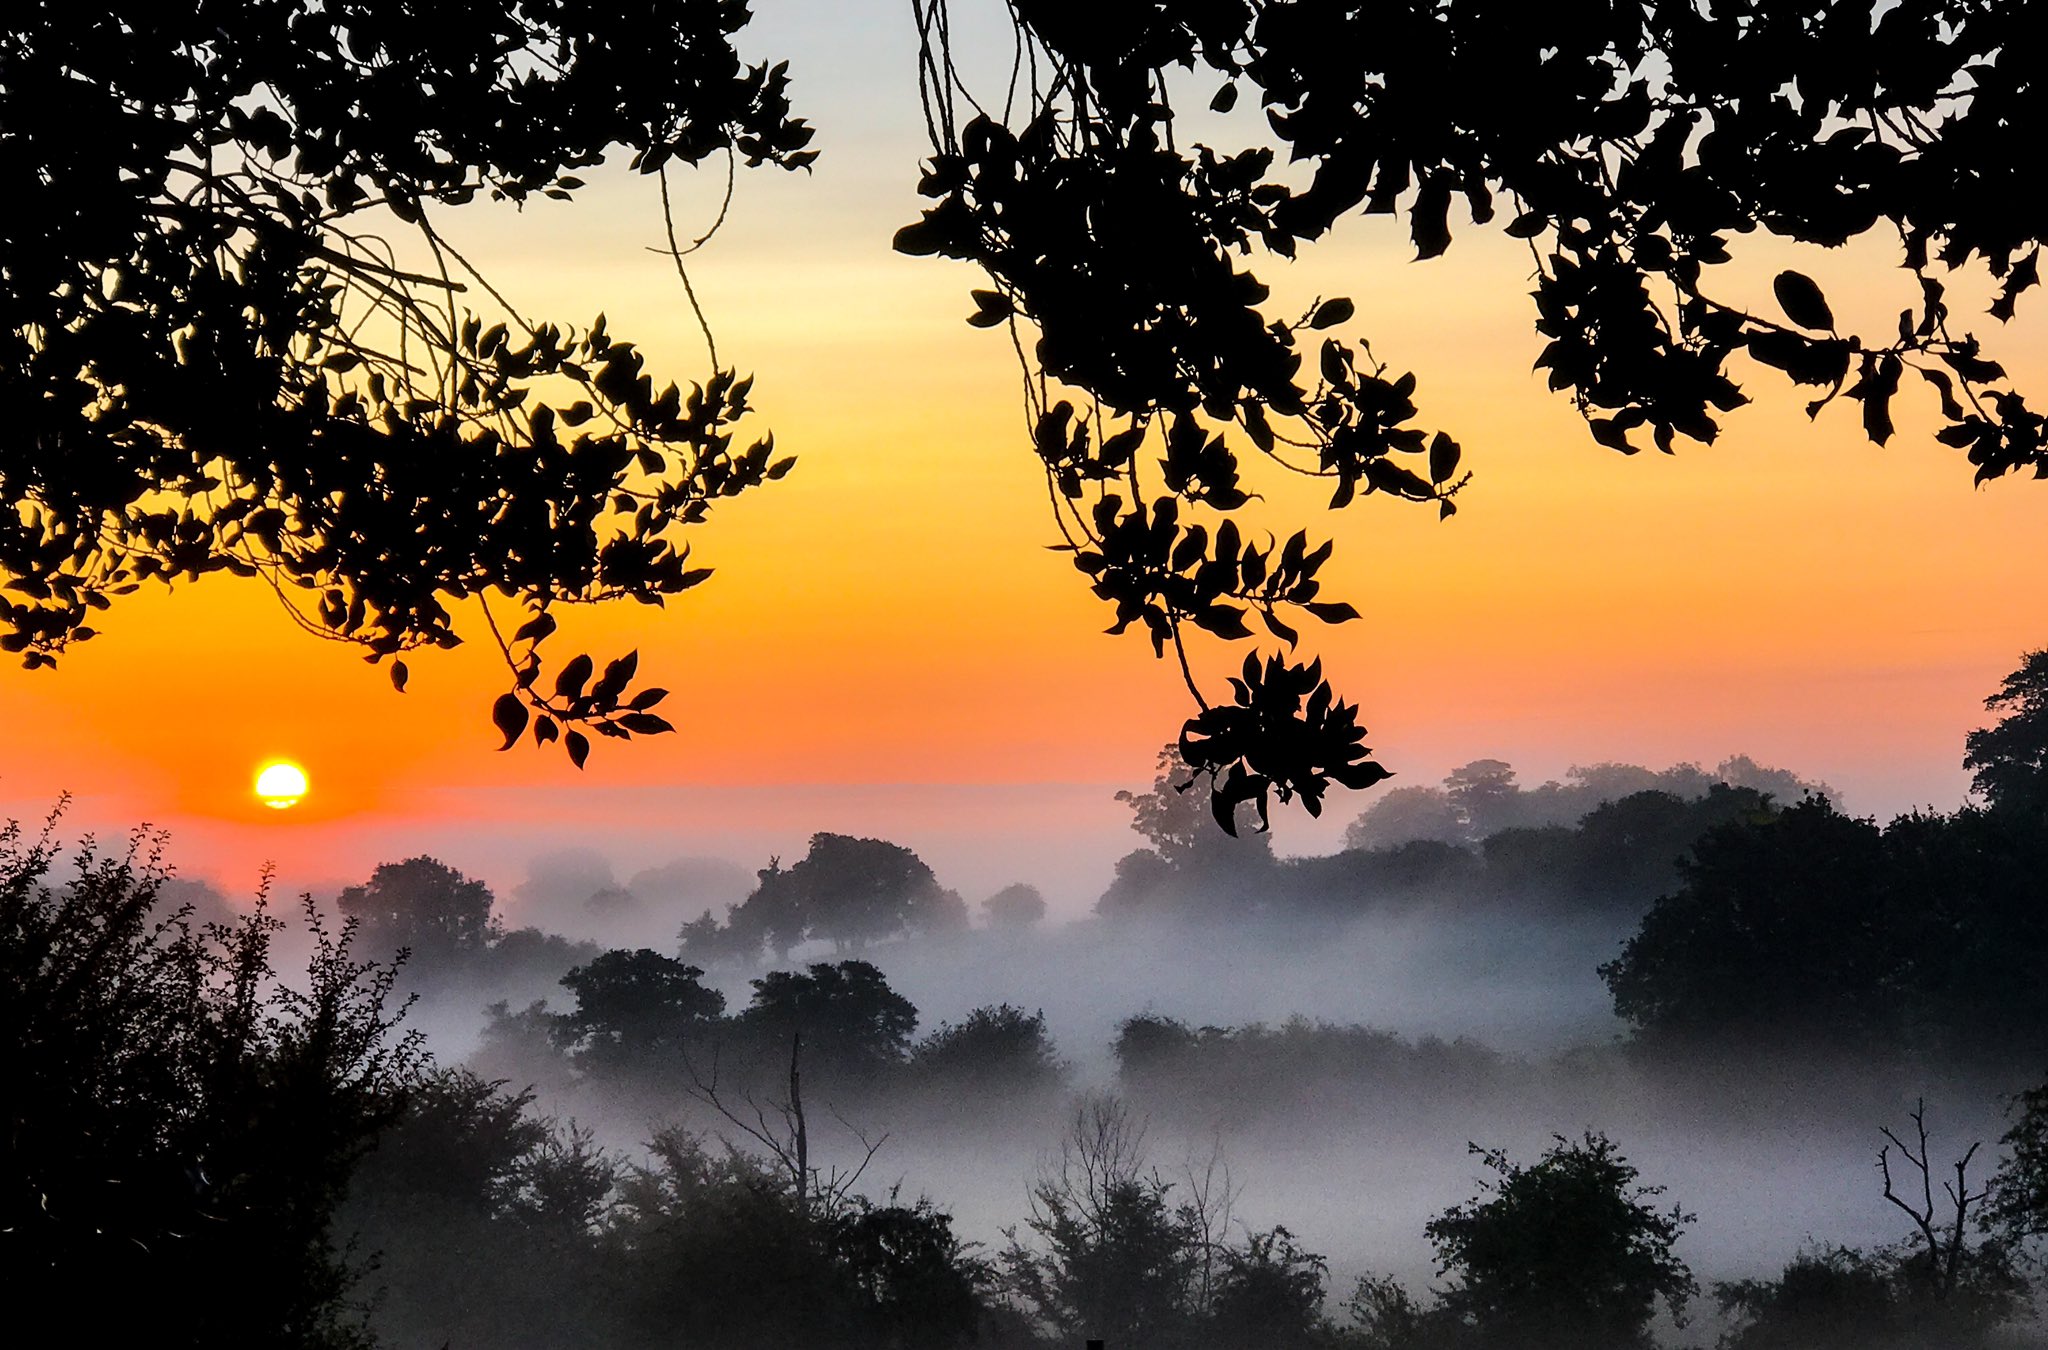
[1641,1058]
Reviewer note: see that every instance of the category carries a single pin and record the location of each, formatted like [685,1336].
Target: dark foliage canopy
[852,1022]
[2009,760]
[214,364]
[1627,143]
[425,907]
[214,361]
[178,1112]
[1569,1251]
[1924,935]
[635,1007]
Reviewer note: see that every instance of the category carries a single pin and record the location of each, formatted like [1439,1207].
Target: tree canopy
[1569,1251]
[2009,761]
[424,906]
[215,363]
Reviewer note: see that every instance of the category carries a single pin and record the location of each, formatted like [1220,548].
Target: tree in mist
[1116,1255]
[1403,815]
[1824,1299]
[1569,1251]
[179,1112]
[1959,1284]
[635,1009]
[2009,761]
[1924,935]
[1143,883]
[1485,796]
[1017,906]
[1480,800]
[1943,1285]
[480,1220]
[848,891]
[1189,867]
[713,1249]
[1775,931]
[1115,1260]
[425,907]
[1269,1296]
[853,1024]
[707,942]
[2018,1207]
[997,1048]
[773,913]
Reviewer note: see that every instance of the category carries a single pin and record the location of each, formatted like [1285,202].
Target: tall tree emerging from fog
[849,892]
[2010,760]
[213,364]
[424,906]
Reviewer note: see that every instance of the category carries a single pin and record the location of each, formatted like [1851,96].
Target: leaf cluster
[215,360]
[1628,144]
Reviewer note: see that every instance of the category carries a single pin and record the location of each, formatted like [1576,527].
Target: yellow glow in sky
[888,615]
[281,783]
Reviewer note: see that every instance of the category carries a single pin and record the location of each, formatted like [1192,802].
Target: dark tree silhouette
[1775,930]
[480,1218]
[177,1113]
[1116,1260]
[2019,1189]
[215,361]
[1485,795]
[716,1250]
[852,1022]
[1269,1296]
[1567,1252]
[1627,144]
[1017,905]
[425,907]
[1404,815]
[996,1048]
[2009,761]
[214,364]
[635,1009]
[849,891]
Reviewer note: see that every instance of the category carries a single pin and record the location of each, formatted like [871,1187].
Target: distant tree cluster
[639,1017]
[1480,799]
[1259,1068]
[846,891]
[1926,934]
[1613,860]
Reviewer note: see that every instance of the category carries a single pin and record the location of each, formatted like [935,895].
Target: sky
[887,647]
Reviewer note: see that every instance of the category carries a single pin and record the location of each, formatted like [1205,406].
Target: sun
[280,783]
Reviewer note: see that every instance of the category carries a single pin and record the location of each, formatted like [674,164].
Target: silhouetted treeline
[186,1119]
[1926,936]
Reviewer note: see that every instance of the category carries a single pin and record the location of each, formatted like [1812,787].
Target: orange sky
[887,614]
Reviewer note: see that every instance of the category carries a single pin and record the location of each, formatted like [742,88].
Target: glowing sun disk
[280,783]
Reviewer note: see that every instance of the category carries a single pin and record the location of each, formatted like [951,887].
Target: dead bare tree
[1207,1214]
[781,1129]
[1945,1249]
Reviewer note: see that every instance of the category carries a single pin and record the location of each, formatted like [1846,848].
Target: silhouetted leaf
[509,715]
[1331,313]
[1802,301]
[569,681]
